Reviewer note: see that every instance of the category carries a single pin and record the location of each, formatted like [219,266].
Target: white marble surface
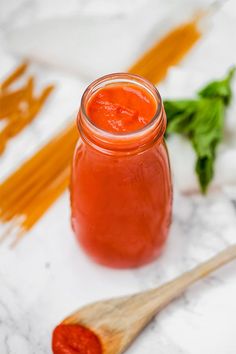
[47,276]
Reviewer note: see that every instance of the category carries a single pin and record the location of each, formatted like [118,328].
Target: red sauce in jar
[121,108]
[121,193]
[75,339]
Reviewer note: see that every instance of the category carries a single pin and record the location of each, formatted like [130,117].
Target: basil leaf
[219,89]
[180,115]
[201,120]
[207,132]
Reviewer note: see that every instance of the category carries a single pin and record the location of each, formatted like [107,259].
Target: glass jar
[121,190]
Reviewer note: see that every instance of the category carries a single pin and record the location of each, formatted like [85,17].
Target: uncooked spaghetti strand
[173,57]
[166,42]
[18,204]
[169,57]
[47,199]
[21,205]
[48,195]
[23,187]
[44,173]
[19,71]
[156,51]
[28,201]
[31,165]
[24,119]
[10,100]
[173,38]
[21,119]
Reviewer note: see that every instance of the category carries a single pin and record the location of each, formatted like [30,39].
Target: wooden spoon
[117,322]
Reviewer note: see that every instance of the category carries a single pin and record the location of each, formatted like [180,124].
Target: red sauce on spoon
[75,339]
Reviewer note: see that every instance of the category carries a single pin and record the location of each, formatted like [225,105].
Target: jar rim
[121,142]
[128,78]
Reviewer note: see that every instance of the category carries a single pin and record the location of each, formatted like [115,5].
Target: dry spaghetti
[18,108]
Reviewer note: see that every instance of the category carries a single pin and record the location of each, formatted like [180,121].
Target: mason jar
[121,190]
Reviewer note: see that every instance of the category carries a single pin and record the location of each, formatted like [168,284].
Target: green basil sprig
[201,120]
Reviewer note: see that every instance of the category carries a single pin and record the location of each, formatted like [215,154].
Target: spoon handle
[169,291]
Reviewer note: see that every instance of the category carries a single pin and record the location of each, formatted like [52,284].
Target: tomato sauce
[121,108]
[121,193]
[75,339]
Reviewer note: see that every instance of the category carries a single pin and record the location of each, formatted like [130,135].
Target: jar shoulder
[148,163]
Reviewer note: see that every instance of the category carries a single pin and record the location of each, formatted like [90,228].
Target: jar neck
[121,143]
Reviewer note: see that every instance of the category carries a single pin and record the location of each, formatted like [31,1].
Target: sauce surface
[75,339]
[121,108]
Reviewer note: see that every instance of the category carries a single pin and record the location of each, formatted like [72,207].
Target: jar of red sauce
[121,191]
